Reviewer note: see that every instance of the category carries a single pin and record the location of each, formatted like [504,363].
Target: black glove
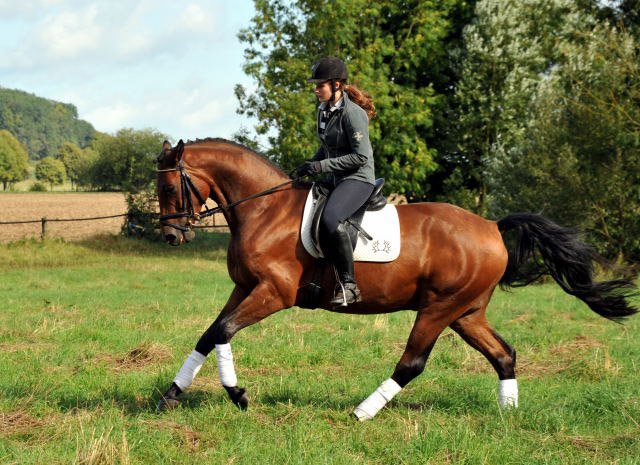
[308,167]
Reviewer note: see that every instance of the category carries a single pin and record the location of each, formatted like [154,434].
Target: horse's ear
[166,151]
[179,150]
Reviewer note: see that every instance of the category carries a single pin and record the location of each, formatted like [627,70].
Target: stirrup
[346,295]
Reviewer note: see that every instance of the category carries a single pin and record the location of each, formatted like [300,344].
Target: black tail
[542,247]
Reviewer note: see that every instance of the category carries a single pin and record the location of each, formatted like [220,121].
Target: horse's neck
[234,177]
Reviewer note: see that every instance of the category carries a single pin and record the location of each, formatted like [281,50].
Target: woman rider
[346,155]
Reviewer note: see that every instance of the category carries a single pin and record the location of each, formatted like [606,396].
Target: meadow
[91,333]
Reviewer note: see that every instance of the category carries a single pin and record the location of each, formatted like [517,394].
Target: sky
[161,64]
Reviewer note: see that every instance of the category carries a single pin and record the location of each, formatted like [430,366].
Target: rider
[345,153]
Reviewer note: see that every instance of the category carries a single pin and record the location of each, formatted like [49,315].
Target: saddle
[320,192]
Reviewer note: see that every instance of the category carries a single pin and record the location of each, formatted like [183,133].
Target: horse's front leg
[239,312]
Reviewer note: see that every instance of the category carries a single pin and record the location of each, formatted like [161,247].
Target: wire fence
[129,224]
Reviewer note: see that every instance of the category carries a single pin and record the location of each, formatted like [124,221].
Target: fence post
[44,228]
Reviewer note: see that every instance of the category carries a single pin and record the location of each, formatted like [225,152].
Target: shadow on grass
[206,243]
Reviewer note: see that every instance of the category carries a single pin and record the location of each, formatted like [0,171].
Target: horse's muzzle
[176,237]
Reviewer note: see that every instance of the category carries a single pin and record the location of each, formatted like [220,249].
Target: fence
[43,221]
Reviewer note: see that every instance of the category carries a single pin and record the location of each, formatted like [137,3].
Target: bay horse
[451,261]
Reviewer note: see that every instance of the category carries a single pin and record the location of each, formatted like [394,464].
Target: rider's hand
[308,167]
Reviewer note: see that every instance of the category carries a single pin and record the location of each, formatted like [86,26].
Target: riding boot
[341,255]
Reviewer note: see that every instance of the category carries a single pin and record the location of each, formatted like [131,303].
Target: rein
[188,187]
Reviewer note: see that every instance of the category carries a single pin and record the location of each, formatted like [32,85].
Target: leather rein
[187,188]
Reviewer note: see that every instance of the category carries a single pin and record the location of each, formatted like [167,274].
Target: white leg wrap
[508,393]
[372,404]
[225,365]
[189,370]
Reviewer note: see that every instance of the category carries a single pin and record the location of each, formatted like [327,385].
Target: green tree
[40,124]
[579,159]
[51,171]
[394,50]
[72,157]
[126,160]
[14,161]
[508,49]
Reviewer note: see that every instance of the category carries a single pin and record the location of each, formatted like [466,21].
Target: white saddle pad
[382,225]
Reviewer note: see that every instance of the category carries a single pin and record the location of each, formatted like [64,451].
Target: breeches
[343,202]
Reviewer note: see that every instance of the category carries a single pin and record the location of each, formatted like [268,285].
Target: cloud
[90,33]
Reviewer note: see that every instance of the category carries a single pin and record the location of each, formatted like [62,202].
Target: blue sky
[160,64]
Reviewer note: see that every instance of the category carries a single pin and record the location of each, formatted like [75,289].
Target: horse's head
[180,201]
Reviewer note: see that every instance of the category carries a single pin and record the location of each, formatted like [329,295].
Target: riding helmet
[328,68]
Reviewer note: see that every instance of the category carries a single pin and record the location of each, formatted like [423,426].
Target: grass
[92,332]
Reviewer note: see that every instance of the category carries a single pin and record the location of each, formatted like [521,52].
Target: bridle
[187,187]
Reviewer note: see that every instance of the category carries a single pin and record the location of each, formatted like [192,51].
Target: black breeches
[343,202]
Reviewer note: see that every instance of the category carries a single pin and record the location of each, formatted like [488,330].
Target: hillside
[40,124]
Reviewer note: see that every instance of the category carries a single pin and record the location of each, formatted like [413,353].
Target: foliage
[126,160]
[51,171]
[40,124]
[142,215]
[74,160]
[38,187]
[579,159]
[508,48]
[394,50]
[14,161]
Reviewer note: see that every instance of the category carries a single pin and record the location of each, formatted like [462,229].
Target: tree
[508,49]
[51,171]
[40,124]
[14,161]
[394,50]
[126,160]
[71,157]
[579,160]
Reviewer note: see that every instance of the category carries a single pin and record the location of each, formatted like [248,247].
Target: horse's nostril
[170,237]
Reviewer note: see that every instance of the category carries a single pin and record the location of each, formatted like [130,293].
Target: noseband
[187,188]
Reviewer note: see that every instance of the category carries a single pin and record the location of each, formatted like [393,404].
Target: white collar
[337,105]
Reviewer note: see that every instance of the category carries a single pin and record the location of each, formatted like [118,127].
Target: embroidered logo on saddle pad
[382,225]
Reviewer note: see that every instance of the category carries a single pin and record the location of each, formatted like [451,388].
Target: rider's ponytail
[362,99]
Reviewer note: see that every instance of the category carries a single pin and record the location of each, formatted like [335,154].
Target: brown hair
[362,99]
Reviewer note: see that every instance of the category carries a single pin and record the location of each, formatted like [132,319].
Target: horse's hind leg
[424,334]
[475,330]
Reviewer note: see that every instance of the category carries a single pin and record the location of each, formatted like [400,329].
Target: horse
[451,261]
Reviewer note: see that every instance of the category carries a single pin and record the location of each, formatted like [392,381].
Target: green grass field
[91,332]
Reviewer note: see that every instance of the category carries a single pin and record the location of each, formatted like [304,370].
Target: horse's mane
[260,156]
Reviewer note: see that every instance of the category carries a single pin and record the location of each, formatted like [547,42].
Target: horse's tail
[545,248]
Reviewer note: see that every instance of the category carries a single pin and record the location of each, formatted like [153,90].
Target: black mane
[236,144]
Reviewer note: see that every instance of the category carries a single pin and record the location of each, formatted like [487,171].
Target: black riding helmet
[327,69]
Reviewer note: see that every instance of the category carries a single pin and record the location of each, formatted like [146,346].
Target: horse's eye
[169,188]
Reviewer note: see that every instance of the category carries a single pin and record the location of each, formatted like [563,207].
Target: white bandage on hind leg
[225,365]
[374,403]
[508,393]
[189,370]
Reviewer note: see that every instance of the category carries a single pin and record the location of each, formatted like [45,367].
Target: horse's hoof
[167,403]
[238,397]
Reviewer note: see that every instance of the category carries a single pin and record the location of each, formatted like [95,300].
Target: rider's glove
[308,167]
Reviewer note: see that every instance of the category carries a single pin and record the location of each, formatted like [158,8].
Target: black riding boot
[341,256]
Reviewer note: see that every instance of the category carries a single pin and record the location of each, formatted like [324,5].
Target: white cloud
[150,63]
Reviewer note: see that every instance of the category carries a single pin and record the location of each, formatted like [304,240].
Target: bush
[142,216]
[38,187]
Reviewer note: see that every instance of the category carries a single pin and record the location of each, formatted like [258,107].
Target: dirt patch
[34,206]
[182,433]
[19,422]
[144,355]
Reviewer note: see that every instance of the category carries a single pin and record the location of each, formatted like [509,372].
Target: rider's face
[323,91]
